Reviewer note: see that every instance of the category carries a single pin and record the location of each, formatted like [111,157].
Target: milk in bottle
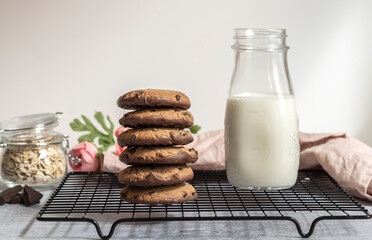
[263,148]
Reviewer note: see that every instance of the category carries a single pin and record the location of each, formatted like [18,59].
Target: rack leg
[99,231]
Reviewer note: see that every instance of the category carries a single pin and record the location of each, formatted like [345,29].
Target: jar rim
[29,122]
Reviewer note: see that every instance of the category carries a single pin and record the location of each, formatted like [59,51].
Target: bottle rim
[260,33]
[260,39]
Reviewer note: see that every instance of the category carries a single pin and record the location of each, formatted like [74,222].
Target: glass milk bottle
[261,124]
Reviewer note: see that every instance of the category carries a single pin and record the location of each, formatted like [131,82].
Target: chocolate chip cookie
[154,136]
[155,175]
[158,155]
[167,195]
[138,99]
[158,117]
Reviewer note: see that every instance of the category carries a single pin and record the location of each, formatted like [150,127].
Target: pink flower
[119,149]
[87,152]
[120,130]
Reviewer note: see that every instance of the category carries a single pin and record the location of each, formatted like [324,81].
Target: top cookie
[139,99]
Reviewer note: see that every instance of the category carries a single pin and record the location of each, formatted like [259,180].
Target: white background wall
[80,56]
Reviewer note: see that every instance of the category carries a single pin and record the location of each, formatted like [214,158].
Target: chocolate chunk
[178,97]
[193,193]
[136,196]
[185,195]
[132,150]
[152,192]
[17,199]
[31,196]
[8,194]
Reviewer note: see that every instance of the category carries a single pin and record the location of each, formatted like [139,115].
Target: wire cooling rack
[98,193]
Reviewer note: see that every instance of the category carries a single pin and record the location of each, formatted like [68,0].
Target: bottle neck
[260,62]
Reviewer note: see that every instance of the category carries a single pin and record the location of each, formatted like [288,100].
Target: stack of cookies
[159,172]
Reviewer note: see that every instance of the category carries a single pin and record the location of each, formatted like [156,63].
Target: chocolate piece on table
[31,196]
[7,194]
[17,199]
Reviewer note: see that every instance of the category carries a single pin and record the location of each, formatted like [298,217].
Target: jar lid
[28,122]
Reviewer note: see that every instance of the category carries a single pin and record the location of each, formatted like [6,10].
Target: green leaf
[104,141]
[105,147]
[87,138]
[89,125]
[111,130]
[101,120]
[194,129]
[77,126]
[111,124]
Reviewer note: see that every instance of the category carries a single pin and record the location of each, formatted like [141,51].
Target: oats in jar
[33,164]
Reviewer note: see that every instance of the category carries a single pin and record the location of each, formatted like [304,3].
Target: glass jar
[261,124]
[33,153]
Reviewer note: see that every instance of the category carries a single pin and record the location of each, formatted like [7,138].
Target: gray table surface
[18,222]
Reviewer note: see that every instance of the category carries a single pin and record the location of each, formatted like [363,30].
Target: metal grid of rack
[98,193]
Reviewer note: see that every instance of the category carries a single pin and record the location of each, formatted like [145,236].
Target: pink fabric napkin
[346,159]
[110,163]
